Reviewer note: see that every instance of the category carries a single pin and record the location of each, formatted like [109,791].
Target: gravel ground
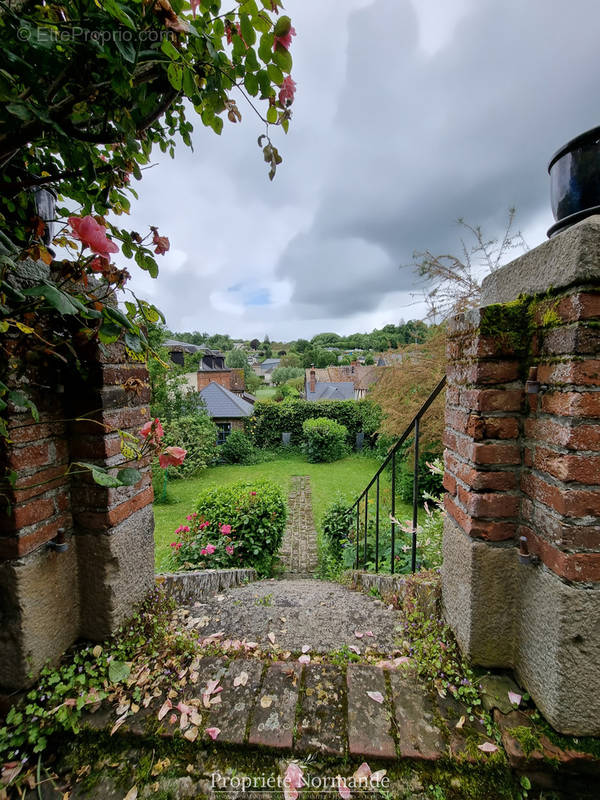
[321,614]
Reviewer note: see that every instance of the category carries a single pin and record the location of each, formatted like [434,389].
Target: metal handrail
[391,456]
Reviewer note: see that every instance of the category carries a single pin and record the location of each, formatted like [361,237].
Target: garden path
[299,547]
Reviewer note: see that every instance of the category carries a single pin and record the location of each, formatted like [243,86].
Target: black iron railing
[375,481]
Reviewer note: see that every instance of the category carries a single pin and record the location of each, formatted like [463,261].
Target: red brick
[102,520]
[492,372]
[480,428]
[487,504]
[571,566]
[480,529]
[479,347]
[117,375]
[491,399]
[17,546]
[35,432]
[579,306]
[95,447]
[40,482]
[495,454]
[32,455]
[568,467]
[452,395]
[34,511]
[578,339]
[480,479]
[568,502]
[579,373]
[457,418]
[563,533]
[572,404]
[449,482]
[563,434]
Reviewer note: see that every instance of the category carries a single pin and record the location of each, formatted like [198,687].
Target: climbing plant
[88,90]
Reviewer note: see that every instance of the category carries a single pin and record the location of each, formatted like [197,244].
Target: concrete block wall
[523,460]
[48,599]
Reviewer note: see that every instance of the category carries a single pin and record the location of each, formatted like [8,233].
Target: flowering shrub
[324,439]
[240,525]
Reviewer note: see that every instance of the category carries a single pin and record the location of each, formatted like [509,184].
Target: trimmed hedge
[324,440]
[271,419]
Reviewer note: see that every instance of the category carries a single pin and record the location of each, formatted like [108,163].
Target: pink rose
[93,235]
[284,40]
[210,549]
[173,456]
[225,529]
[229,549]
[152,429]
[287,91]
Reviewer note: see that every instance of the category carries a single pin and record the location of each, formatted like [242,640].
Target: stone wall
[49,598]
[523,460]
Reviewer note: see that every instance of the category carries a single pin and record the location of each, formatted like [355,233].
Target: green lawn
[347,476]
[265,392]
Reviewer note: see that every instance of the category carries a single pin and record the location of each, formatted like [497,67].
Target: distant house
[265,368]
[350,382]
[177,350]
[225,408]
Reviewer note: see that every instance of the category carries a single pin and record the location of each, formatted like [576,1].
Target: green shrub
[324,439]
[337,525]
[430,481]
[197,434]
[237,449]
[271,419]
[240,525]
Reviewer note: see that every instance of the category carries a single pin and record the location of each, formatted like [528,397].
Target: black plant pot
[575,180]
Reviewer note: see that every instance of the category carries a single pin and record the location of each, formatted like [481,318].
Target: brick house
[350,382]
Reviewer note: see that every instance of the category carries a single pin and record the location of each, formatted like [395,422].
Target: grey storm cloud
[390,143]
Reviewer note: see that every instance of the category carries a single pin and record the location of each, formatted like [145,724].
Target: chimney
[313,379]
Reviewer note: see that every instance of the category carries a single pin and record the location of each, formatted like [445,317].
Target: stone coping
[425,590]
[191,585]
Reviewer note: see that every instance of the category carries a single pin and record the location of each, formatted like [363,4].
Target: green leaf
[283,59]
[248,33]
[282,26]
[115,10]
[20,399]
[275,74]
[117,316]
[264,83]
[265,48]
[109,332]
[129,476]
[272,115]
[175,75]
[251,83]
[217,125]
[126,49]
[118,671]
[170,50]
[134,342]
[189,84]
[57,299]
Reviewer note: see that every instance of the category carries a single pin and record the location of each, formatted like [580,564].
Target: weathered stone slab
[465,739]
[418,735]
[369,722]
[188,587]
[274,712]
[232,714]
[494,692]
[322,720]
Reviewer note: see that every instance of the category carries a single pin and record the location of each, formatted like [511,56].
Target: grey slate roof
[174,344]
[220,402]
[269,364]
[324,390]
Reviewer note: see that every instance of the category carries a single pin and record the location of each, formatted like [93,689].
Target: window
[223,431]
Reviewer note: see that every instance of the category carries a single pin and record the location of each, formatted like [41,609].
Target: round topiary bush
[240,525]
[324,439]
[237,449]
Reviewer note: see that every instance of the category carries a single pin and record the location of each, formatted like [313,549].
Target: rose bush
[240,525]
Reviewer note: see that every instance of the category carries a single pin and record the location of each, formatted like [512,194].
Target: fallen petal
[294,776]
[515,698]
[212,732]
[305,648]
[271,637]
[164,709]
[358,634]
[354,649]
[377,696]
[377,777]
[191,734]
[305,659]
[364,771]
[460,722]
[241,679]
[343,789]
[487,747]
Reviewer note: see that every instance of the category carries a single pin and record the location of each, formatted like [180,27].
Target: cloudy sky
[407,116]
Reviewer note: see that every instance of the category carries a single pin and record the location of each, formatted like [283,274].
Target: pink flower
[177,545]
[93,235]
[203,525]
[253,494]
[229,549]
[161,242]
[284,40]
[212,732]
[173,456]
[286,93]
[152,429]
[210,549]
[225,529]
[203,552]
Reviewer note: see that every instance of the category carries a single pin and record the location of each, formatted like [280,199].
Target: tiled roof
[220,402]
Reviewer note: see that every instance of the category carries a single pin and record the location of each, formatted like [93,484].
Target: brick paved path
[299,547]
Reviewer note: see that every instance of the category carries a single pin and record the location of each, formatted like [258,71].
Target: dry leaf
[195,718]
[266,701]
[164,709]
[191,734]
[241,679]
[118,723]
[271,637]
[97,651]
[131,794]
[460,722]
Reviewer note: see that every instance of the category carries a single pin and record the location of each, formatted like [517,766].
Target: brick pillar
[49,598]
[523,459]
